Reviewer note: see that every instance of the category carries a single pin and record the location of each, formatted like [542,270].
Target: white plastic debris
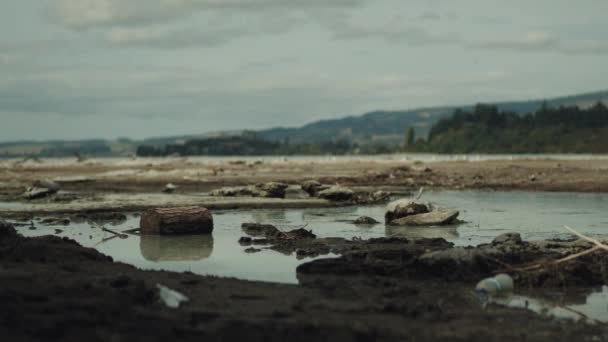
[500,284]
[171,298]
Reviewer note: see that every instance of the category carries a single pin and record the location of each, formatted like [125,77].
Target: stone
[7,229]
[36,193]
[508,238]
[47,184]
[267,190]
[260,230]
[403,208]
[434,218]
[365,220]
[177,221]
[312,187]
[169,188]
[337,194]
[55,221]
[272,189]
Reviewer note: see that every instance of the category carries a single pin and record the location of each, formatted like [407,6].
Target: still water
[486,215]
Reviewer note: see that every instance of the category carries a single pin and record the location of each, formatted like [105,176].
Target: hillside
[389,126]
[485,129]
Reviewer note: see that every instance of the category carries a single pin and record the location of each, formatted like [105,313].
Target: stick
[419,194]
[122,236]
[596,242]
[105,240]
[598,246]
[558,261]
[134,231]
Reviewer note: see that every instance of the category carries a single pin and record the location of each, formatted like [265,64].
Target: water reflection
[176,248]
[263,216]
[448,232]
[590,305]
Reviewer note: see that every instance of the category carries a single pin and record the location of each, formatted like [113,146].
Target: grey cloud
[543,42]
[211,34]
[433,16]
[410,35]
[85,14]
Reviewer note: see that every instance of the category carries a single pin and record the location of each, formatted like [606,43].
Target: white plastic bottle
[500,284]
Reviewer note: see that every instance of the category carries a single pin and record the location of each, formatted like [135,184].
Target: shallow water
[589,305]
[487,214]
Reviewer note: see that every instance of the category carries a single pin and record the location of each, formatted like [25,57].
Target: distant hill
[382,127]
[389,126]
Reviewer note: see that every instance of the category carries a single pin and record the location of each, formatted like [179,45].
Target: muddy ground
[381,289]
[53,289]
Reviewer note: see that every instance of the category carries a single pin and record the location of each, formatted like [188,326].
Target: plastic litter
[500,284]
[171,298]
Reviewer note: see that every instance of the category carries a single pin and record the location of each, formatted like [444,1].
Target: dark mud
[531,264]
[53,289]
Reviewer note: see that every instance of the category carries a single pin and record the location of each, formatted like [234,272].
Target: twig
[120,235]
[105,240]
[419,194]
[598,246]
[558,261]
[134,231]
[596,242]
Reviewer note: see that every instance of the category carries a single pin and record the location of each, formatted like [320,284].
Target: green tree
[410,136]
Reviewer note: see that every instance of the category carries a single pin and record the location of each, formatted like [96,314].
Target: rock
[532,178]
[252,250]
[169,188]
[245,241]
[36,193]
[312,187]
[47,184]
[268,190]
[271,232]
[238,191]
[337,194]
[508,238]
[54,221]
[403,208]
[434,218]
[295,192]
[365,220]
[261,230]
[298,234]
[73,180]
[272,189]
[101,217]
[7,229]
[174,221]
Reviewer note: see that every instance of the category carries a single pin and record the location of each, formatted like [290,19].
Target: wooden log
[176,221]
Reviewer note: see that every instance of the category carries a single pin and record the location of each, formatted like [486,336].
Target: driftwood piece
[177,221]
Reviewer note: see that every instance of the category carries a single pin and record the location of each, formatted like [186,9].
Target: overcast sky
[108,68]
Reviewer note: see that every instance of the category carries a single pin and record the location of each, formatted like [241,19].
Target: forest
[548,130]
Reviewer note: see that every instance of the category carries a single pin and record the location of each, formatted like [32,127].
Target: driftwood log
[176,221]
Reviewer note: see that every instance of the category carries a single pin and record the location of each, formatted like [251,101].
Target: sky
[72,69]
